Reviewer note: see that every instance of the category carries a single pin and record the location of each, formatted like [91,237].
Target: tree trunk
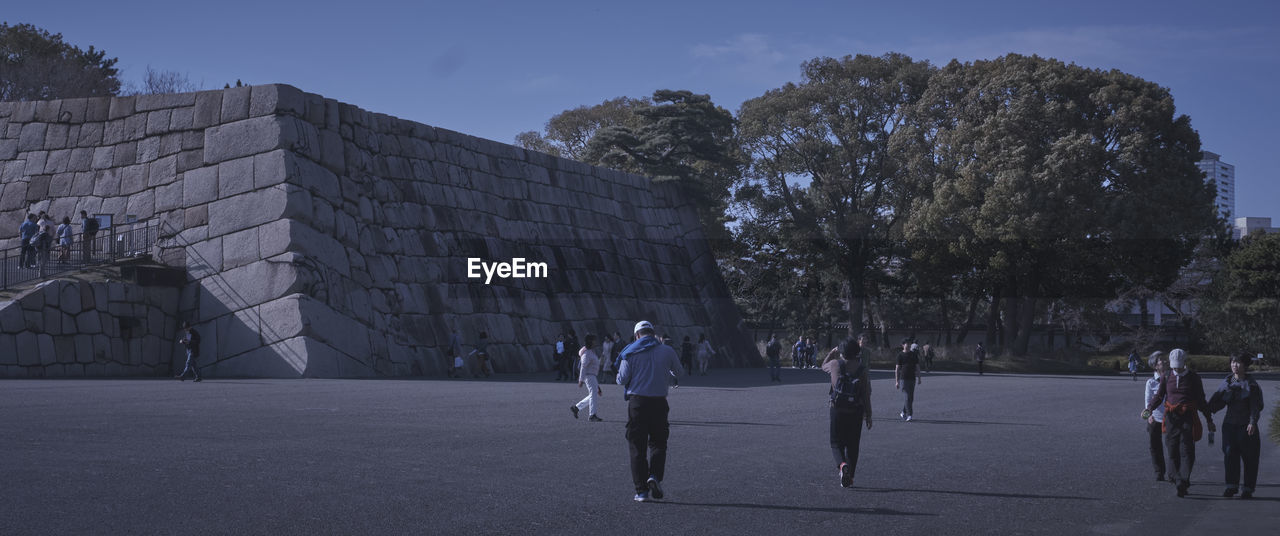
[946,322]
[993,323]
[968,320]
[1010,331]
[1142,313]
[1026,314]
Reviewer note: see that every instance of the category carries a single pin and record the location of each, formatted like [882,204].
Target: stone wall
[324,240]
[79,329]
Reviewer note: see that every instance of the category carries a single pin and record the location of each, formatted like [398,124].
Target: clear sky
[493,69]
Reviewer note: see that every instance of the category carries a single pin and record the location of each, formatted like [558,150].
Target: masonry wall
[324,240]
[75,329]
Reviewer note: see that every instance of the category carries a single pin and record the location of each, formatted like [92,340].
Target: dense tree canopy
[1052,180]
[824,186]
[37,65]
[1241,311]
[568,132]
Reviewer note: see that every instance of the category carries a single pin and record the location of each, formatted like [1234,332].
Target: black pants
[647,433]
[1155,438]
[908,396]
[1237,446]
[846,435]
[979,368]
[1181,444]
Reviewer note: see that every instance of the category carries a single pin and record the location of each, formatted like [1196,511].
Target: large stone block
[8,149]
[205,258]
[48,352]
[162,171]
[168,197]
[208,109]
[235,104]
[270,99]
[235,176]
[240,248]
[248,286]
[8,349]
[11,319]
[142,204]
[238,333]
[32,138]
[28,348]
[158,122]
[133,179]
[200,186]
[244,138]
[89,322]
[247,210]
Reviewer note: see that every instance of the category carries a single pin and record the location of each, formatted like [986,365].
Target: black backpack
[848,391]
[90,226]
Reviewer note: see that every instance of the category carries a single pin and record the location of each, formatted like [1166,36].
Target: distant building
[1223,176]
[1248,226]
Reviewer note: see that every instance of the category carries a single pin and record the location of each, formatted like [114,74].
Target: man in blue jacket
[25,232]
[645,369]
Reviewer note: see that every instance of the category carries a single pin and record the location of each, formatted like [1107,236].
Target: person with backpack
[850,405]
[88,229]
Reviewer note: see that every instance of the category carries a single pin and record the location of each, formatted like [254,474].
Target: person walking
[849,406]
[1155,423]
[980,355]
[773,350]
[906,376]
[704,354]
[646,364]
[1241,396]
[606,355]
[1182,394]
[928,358]
[797,353]
[686,355]
[191,339]
[587,373]
[1133,364]
[481,352]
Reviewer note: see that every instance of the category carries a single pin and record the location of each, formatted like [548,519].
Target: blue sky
[493,69]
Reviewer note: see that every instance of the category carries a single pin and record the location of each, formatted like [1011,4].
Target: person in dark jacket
[1241,396]
[846,420]
[190,339]
[1182,394]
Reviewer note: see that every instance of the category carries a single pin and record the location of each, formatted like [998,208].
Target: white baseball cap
[643,324]
[1177,358]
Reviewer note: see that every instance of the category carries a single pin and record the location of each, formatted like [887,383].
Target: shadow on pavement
[722,423]
[877,511]
[979,494]
[939,421]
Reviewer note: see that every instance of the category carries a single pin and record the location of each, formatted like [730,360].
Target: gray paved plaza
[996,454]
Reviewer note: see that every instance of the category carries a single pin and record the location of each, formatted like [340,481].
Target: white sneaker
[908,418]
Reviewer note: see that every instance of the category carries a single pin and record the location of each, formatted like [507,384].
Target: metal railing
[26,263]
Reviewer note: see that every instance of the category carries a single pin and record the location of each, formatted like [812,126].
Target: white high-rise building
[1224,176]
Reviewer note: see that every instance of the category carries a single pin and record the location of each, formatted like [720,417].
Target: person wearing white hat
[644,370]
[1182,394]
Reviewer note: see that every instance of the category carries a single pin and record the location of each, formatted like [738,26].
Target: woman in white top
[704,354]
[587,377]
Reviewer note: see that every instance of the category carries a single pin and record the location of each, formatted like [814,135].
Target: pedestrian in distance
[645,366]
[849,406]
[481,353]
[980,355]
[560,357]
[65,237]
[797,353]
[606,355]
[587,373]
[190,338]
[1155,423]
[1241,396]
[928,358]
[773,350]
[88,230]
[704,354]
[686,355]
[1182,394]
[1133,364]
[906,376]
[26,233]
[570,343]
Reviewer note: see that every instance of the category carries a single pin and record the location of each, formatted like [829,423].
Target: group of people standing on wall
[39,237]
[1174,400]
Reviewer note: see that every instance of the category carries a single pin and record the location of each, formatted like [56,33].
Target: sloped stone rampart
[78,329]
[325,240]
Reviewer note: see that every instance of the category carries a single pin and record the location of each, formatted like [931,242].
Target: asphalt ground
[996,454]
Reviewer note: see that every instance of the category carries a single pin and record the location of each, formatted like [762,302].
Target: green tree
[682,137]
[567,133]
[37,65]
[1240,312]
[823,180]
[1053,180]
